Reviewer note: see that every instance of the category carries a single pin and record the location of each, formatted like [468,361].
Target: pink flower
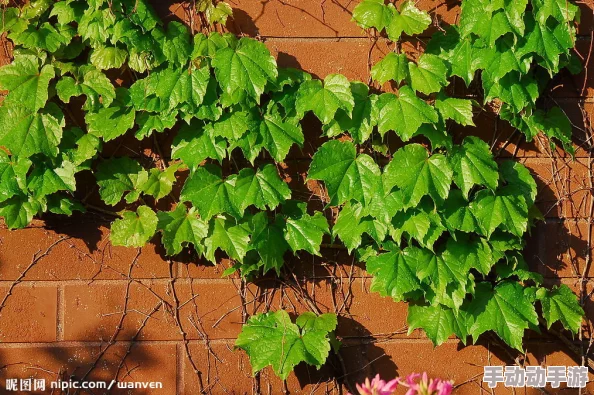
[426,386]
[377,386]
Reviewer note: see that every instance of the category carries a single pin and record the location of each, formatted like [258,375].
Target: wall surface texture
[73,305]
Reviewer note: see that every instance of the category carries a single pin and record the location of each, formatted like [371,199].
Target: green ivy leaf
[345,174]
[105,58]
[519,179]
[429,75]
[324,100]
[17,212]
[458,110]
[160,183]
[194,143]
[46,179]
[546,42]
[181,227]
[439,322]
[417,174]
[13,175]
[91,83]
[303,231]
[208,181]
[277,136]
[134,229]
[404,113]
[392,67]
[473,164]
[149,123]
[247,67]
[506,309]
[26,132]
[26,82]
[506,209]
[116,176]
[373,13]
[112,122]
[269,242]
[562,10]
[263,188]
[409,20]
[560,304]
[394,272]
[286,343]
[230,238]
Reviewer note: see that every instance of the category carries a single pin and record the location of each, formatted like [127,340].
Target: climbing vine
[439,223]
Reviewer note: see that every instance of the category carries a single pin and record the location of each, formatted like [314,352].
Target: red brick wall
[73,305]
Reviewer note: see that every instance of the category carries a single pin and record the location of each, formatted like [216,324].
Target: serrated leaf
[272,339]
[325,99]
[404,113]
[417,174]
[175,86]
[263,188]
[473,164]
[208,181]
[561,304]
[92,83]
[345,174]
[546,42]
[181,227]
[17,212]
[457,214]
[116,176]
[26,132]
[392,67]
[247,67]
[26,82]
[518,91]
[46,179]
[470,253]
[175,42]
[394,272]
[562,10]
[13,175]
[373,13]
[277,136]
[518,177]
[160,182]
[458,110]
[303,231]
[429,74]
[506,309]
[44,37]
[268,241]
[230,238]
[439,322]
[409,20]
[149,123]
[363,118]
[112,122]
[195,143]
[105,58]
[506,209]
[134,229]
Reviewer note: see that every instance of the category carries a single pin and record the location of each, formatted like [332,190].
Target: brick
[563,249]
[102,304]
[87,254]
[321,57]
[144,363]
[29,314]
[225,370]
